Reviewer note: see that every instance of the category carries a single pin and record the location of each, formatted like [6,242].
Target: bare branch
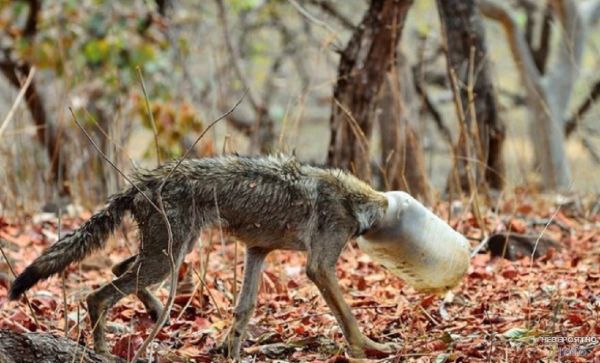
[573,122]
[111,163]
[187,152]
[431,108]
[290,38]
[312,18]
[150,114]
[330,10]
[32,19]
[591,148]
[263,135]
[162,6]
[562,76]
[516,39]
[234,56]
[17,100]
[541,52]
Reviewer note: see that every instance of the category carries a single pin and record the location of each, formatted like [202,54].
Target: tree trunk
[46,133]
[46,348]
[361,72]
[549,93]
[402,160]
[479,149]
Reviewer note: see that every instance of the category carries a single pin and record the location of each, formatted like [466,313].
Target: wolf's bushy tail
[73,247]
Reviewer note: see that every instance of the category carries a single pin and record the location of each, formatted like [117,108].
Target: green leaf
[521,334]
[244,5]
[96,51]
[515,333]
[442,358]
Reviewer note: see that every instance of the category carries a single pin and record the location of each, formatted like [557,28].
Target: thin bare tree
[549,90]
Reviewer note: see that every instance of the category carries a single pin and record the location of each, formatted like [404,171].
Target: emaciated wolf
[268,203]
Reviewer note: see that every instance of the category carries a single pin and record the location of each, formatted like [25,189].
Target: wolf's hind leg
[153,306]
[144,271]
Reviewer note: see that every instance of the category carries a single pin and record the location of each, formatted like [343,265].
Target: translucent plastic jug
[416,245]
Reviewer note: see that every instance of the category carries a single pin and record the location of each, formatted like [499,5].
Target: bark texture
[402,160]
[45,348]
[361,72]
[479,149]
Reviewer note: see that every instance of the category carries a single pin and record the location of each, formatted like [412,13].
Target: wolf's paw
[224,350]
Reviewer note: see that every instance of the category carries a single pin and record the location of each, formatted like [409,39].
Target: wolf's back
[73,247]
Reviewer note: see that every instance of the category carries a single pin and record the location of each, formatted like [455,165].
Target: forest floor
[498,313]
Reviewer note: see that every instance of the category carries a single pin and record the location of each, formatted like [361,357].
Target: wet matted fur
[268,203]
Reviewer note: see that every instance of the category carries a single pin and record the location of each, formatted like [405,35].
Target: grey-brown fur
[267,202]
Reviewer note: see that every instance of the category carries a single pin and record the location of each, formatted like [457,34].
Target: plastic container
[416,245]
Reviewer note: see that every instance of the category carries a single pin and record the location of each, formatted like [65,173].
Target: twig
[18,100]
[234,56]
[235,263]
[172,264]
[432,109]
[103,155]
[63,276]
[435,322]
[475,179]
[202,134]
[150,114]
[204,285]
[537,241]
[310,17]
[201,266]
[355,127]
[189,302]
[461,122]
[328,8]
[263,125]
[32,19]
[478,248]
[573,122]
[587,143]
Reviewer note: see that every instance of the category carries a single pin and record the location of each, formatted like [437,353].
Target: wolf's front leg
[247,301]
[322,259]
